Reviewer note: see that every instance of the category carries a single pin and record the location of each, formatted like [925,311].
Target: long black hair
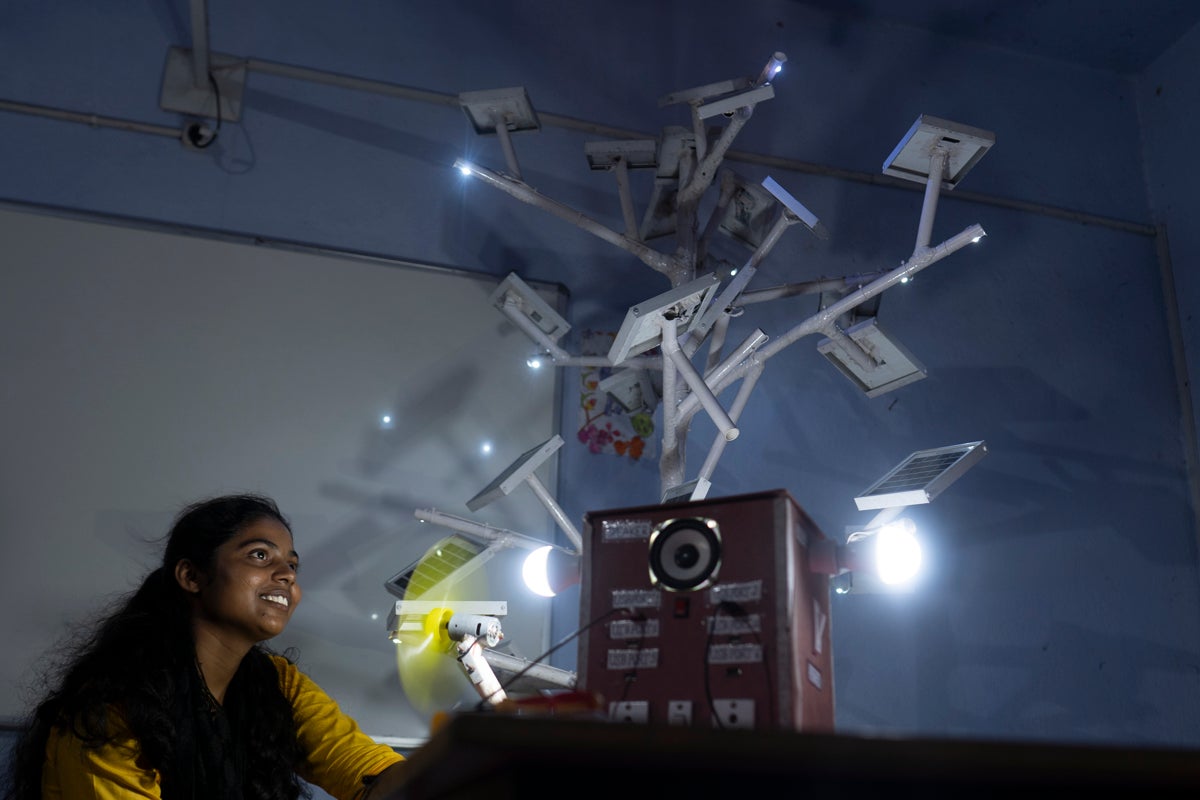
[140,664]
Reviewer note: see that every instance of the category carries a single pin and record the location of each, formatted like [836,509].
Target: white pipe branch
[623,191]
[501,537]
[200,66]
[527,194]
[806,287]
[735,412]
[716,342]
[564,523]
[851,348]
[706,170]
[643,362]
[698,129]
[670,463]
[510,154]
[695,382]
[933,188]
[817,322]
[720,375]
[918,262]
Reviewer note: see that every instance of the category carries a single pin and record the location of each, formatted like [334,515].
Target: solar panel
[445,563]
[921,477]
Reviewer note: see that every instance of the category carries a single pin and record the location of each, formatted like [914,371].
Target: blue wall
[1063,598]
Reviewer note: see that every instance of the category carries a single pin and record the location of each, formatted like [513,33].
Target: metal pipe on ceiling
[200,66]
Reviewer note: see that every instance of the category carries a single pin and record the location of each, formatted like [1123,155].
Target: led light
[535,572]
[897,552]
[534,362]
[486,448]
[733,272]
[374,616]
[464,167]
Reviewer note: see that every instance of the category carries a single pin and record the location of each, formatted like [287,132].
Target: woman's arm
[338,756]
[111,771]
[388,784]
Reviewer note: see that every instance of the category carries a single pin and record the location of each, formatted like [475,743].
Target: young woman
[174,696]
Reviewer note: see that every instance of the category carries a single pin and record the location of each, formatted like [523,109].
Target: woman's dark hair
[140,663]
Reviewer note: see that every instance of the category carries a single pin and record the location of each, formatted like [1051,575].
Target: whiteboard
[145,368]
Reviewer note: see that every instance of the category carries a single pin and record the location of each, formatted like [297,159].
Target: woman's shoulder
[292,681]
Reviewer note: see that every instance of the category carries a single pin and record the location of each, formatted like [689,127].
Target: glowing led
[464,167]
[897,552]
[374,616]
[533,362]
[485,448]
[534,572]
[387,419]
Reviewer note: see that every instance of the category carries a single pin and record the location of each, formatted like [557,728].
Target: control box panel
[706,613]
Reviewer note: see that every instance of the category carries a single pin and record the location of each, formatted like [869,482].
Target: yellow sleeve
[114,771]
[337,754]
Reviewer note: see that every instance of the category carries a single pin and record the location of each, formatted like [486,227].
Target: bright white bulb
[733,272]
[535,574]
[976,240]
[776,71]
[374,616]
[897,552]
[387,420]
[464,168]
[904,279]
[533,362]
[485,448]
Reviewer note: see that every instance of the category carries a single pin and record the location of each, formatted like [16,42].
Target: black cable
[198,134]
[736,610]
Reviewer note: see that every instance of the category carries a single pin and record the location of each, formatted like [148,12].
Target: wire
[736,610]
[199,134]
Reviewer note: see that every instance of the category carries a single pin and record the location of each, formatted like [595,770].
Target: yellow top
[337,754]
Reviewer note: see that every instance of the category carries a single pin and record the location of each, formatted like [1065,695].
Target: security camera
[197,136]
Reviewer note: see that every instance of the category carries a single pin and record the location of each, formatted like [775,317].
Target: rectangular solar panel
[921,477]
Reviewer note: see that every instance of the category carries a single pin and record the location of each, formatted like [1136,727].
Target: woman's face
[251,591]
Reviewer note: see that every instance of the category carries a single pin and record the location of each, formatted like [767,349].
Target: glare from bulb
[905,279]
[976,240]
[535,571]
[534,362]
[464,167]
[897,552]
[486,448]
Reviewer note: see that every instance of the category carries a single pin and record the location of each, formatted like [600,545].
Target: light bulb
[897,552]
[535,571]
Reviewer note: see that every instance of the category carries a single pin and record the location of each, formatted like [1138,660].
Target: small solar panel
[446,562]
[516,473]
[921,477]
